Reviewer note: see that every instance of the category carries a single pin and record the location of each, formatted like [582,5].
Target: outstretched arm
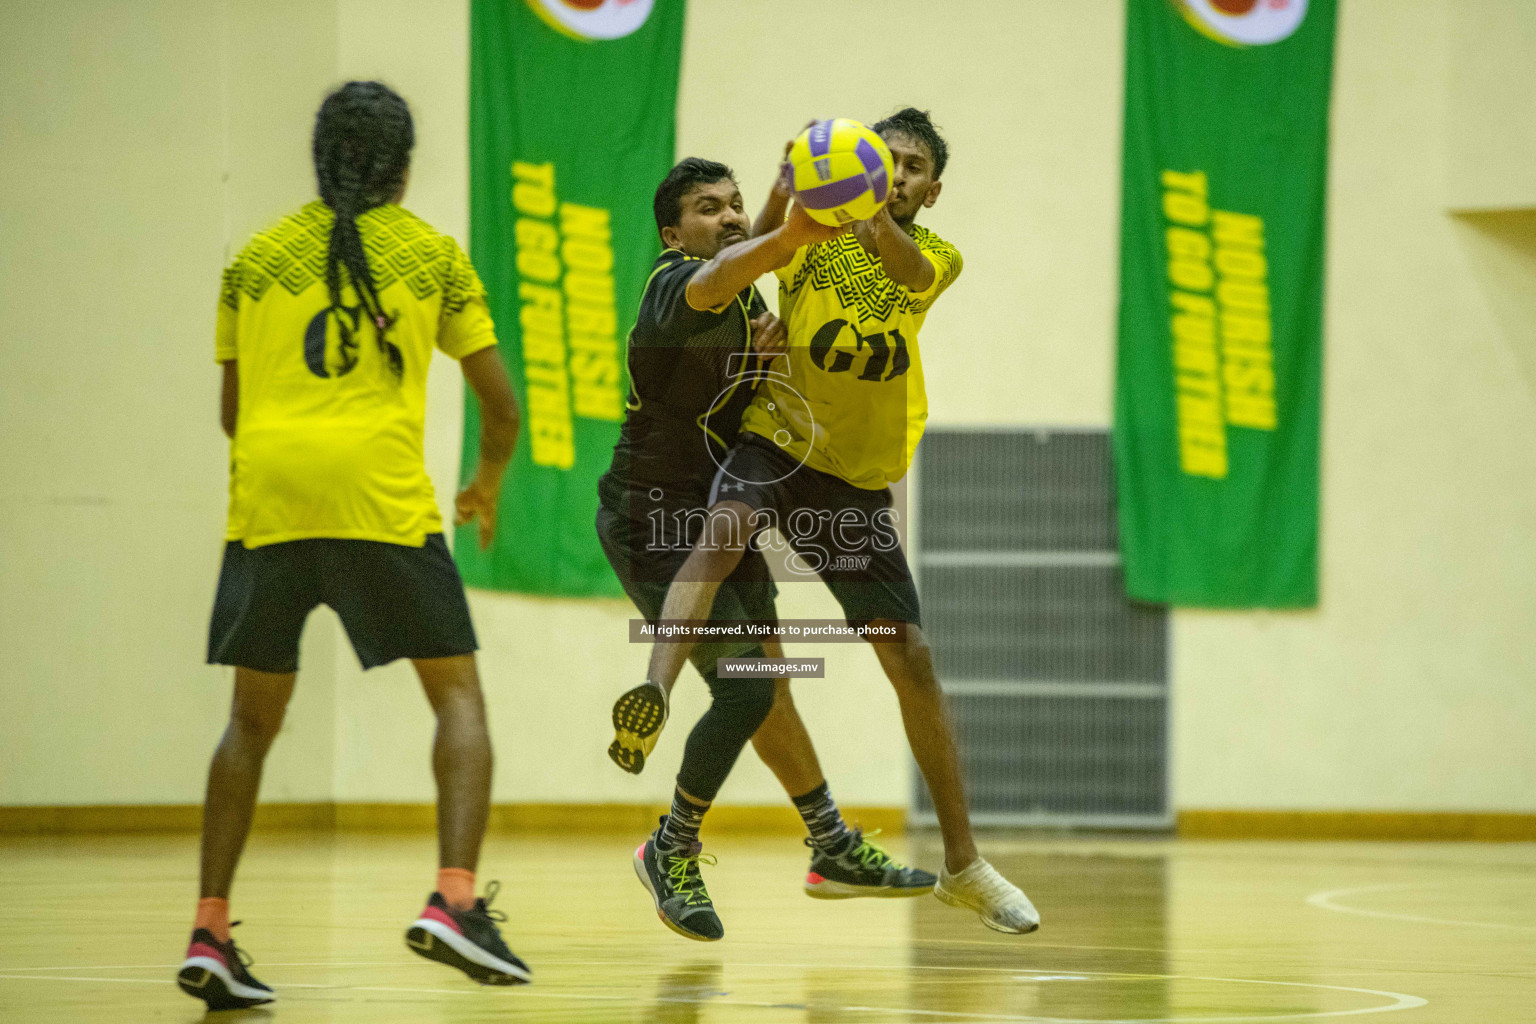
[737,266]
[900,257]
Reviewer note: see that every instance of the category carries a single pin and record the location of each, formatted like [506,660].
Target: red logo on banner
[593,20]
[1244,22]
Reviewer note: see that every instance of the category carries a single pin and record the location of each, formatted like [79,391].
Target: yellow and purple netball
[840,171]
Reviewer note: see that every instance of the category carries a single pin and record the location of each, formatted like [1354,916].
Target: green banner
[1221,299]
[572,124]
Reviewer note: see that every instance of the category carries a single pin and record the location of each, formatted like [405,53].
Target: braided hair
[362,147]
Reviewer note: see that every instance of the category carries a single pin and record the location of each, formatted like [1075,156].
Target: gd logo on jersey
[883,355]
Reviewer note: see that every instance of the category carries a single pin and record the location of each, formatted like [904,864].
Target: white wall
[551,668]
[135,140]
[141,158]
[1491,127]
[1411,686]
[1028,96]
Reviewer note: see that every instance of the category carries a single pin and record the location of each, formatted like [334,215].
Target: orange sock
[457,886]
[213,914]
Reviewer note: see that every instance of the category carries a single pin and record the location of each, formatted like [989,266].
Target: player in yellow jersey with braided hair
[326,325]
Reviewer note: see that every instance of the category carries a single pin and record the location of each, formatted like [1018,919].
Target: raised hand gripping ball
[840,171]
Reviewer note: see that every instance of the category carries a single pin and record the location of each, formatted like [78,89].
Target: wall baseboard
[628,819]
[1368,825]
[593,819]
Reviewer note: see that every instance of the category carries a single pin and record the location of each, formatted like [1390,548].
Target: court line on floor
[1325,900]
[172,967]
[1397,964]
[978,945]
[1401,1001]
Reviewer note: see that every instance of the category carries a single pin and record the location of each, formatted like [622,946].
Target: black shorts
[847,535]
[646,569]
[395,601]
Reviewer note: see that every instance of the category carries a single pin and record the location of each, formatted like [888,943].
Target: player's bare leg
[455,928]
[930,733]
[214,970]
[461,757]
[844,863]
[640,713]
[234,777]
[782,741]
[967,880]
[692,593]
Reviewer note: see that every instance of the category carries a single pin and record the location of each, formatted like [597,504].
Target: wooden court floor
[1134,930]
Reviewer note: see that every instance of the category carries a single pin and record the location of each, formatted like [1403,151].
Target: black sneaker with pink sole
[468,940]
[215,972]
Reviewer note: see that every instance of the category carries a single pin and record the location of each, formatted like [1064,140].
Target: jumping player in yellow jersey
[327,322]
[821,444]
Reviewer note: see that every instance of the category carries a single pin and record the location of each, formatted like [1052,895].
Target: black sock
[823,820]
[682,827]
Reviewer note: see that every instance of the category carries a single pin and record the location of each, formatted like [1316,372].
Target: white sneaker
[1003,907]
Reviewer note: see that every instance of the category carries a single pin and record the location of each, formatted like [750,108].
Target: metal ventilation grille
[1039,622]
[1057,683]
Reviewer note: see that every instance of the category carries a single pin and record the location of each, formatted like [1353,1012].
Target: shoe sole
[645,880]
[206,979]
[435,941]
[949,898]
[830,890]
[637,720]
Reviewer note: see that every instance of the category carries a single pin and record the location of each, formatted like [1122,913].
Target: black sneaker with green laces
[862,869]
[677,888]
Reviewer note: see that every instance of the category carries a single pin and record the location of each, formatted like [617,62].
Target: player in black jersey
[702,335]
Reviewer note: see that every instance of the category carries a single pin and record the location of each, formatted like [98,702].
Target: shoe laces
[861,851]
[241,955]
[867,854]
[483,904]
[687,881]
[990,884]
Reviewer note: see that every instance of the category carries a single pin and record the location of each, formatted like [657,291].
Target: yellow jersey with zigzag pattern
[328,441]
[851,400]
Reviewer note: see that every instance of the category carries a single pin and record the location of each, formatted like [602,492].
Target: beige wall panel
[119,191]
[144,141]
[1028,97]
[281,58]
[552,668]
[1491,132]
[1500,247]
[1410,688]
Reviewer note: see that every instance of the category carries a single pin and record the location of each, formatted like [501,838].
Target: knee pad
[739,707]
[708,669]
[744,703]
